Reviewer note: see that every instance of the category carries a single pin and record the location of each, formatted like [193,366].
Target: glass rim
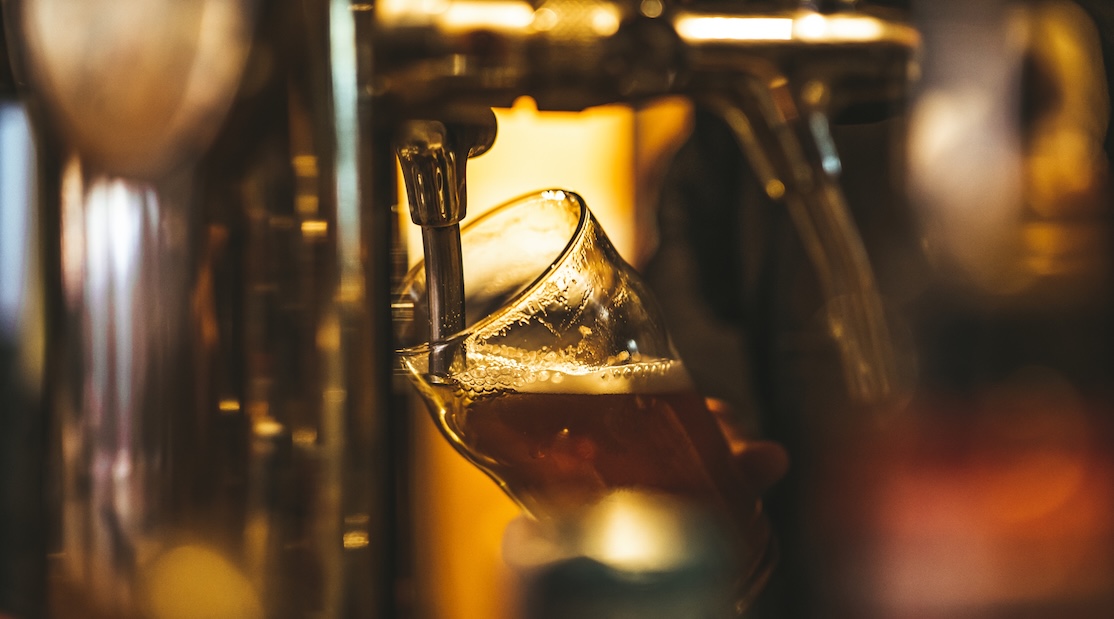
[583,216]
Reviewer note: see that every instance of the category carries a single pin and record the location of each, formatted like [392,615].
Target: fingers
[761,462]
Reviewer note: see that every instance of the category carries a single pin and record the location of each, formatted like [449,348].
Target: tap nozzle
[434,157]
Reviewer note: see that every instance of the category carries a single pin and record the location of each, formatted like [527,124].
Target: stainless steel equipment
[770,75]
[217,383]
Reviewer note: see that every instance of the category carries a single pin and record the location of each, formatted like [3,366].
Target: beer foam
[547,373]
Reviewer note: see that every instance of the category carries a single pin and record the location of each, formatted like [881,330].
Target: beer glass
[564,386]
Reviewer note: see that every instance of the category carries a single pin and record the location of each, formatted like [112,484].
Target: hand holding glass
[565,387]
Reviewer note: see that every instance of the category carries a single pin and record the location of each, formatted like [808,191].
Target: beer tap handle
[434,156]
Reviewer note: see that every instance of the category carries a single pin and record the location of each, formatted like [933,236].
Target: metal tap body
[774,77]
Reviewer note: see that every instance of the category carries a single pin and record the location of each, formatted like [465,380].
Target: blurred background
[983,488]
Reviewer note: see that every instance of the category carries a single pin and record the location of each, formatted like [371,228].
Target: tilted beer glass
[565,387]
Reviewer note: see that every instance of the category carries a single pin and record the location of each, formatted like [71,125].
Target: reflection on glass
[566,387]
[16,196]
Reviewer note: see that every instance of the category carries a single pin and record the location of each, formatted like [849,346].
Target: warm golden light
[590,152]
[355,539]
[719,28]
[314,228]
[267,427]
[651,8]
[230,405]
[806,27]
[639,533]
[460,516]
[195,581]
[460,513]
[469,15]
[397,9]
[605,20]
[844,28]
[459,15]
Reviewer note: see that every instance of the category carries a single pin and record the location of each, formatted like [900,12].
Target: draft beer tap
[772,76]
[434,157]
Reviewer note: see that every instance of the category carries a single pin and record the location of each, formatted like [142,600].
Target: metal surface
[434,159]
[775,78]
[219,371]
